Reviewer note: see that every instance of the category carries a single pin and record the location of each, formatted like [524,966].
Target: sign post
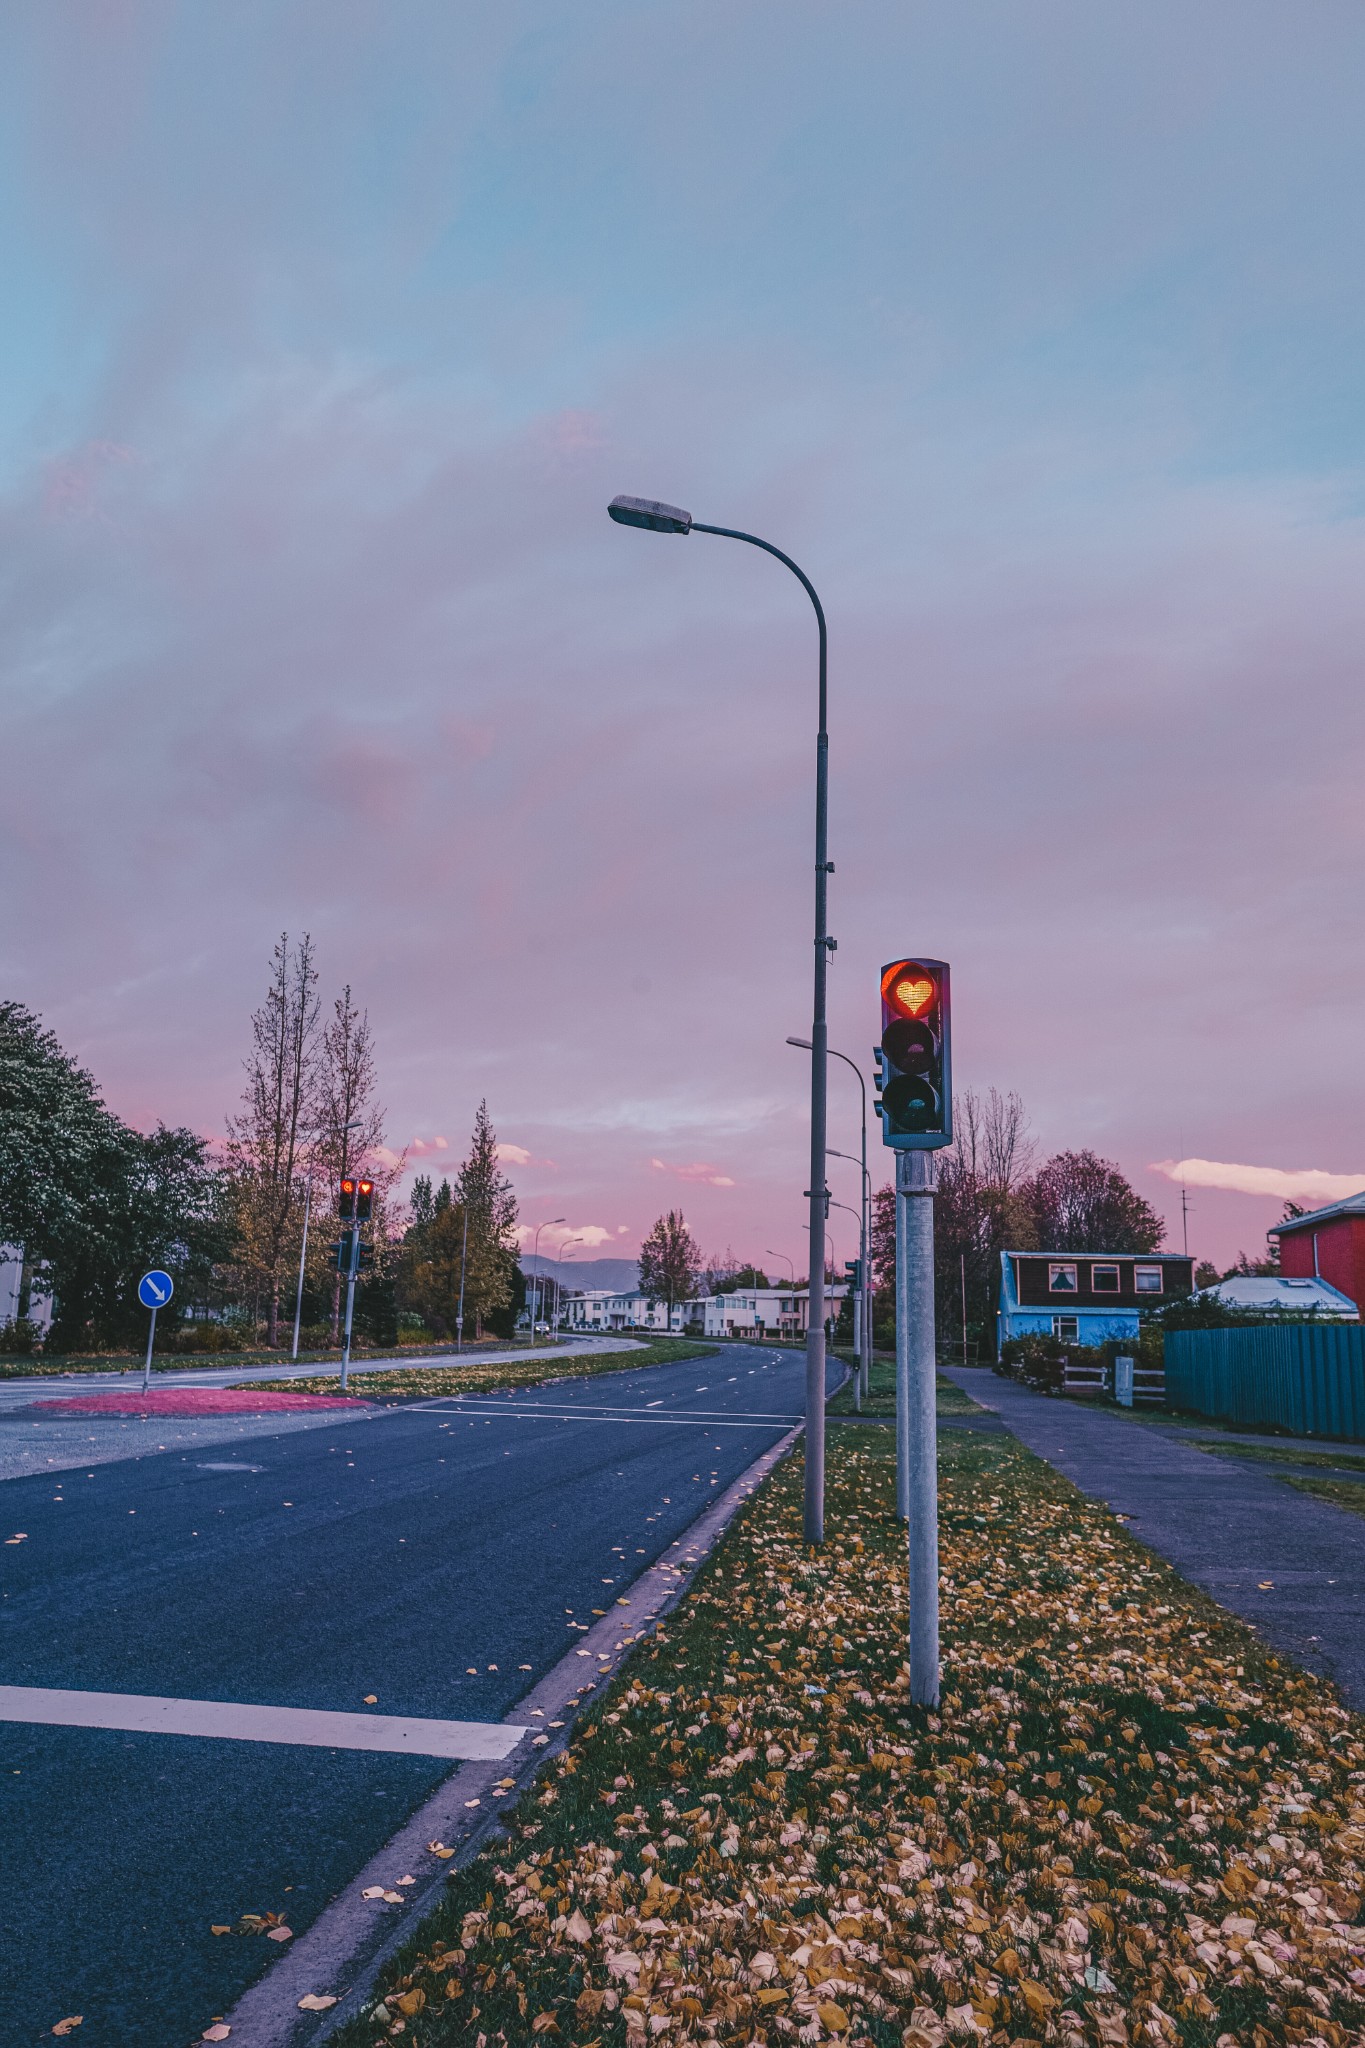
[154,1290]
[916,1108]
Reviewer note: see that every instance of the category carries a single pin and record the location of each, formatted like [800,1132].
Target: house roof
[1148,1258]
[1353,1205]
[1275,1292]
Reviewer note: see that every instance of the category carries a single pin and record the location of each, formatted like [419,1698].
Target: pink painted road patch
[195,1401]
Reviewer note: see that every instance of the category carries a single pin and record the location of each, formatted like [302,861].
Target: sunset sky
[1033,331]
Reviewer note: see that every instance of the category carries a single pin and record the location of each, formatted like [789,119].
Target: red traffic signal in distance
[346,1201]
[913,1059]
[364,1200]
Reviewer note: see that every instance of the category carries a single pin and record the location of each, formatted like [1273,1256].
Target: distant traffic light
[914,1058]
[341,1254]
[346,1201]
[854,1270]
[364,1200]
[365,1258]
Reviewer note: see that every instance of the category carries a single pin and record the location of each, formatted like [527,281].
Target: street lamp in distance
[656,517]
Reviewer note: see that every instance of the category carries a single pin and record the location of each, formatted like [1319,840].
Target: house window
[1147,1279]
[1104,1279]
[1061,1279]
[1067,1329]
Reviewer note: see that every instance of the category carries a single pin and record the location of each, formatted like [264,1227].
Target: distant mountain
[621,1275]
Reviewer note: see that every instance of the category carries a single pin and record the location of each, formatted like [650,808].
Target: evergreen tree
[492,1271]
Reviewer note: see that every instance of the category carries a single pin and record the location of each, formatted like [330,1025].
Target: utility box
[1123,1382]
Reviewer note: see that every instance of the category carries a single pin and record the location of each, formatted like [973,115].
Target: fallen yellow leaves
[1127,1827]
[69,2026]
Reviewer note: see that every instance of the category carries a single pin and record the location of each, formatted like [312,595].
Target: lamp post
[864,1341]
[771,1254]
[657,518]
[865,1366]
[535,1254]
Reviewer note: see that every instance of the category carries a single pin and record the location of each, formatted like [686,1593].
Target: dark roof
[1180,1258]
[1354,1205]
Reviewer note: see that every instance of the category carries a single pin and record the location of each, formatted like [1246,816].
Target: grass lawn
[881,1398]
[522,1368]
[1128,1824]
[1264,1454]
[44,1367]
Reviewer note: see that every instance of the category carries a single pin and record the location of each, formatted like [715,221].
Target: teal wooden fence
[1306,1377]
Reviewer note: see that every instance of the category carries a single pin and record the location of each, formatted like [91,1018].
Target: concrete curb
[343,1951]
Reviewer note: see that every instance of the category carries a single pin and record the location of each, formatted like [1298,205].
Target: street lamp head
[650,514]
[804,1044]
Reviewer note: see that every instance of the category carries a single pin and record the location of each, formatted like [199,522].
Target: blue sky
[1034,332]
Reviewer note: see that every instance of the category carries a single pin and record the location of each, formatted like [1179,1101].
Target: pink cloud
[699,1170]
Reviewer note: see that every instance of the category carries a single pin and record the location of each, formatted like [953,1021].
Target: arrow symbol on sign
[159,1292]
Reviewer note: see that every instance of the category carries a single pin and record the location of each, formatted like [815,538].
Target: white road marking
[468,1741]
[683,1421]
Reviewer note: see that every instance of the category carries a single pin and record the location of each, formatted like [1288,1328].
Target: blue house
[1085,1297]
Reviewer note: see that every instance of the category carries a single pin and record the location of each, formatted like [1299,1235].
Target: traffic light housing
[914,1064]
[365,1259]
[346,1200]
[854,1270]
[341,1254]
[364,1200]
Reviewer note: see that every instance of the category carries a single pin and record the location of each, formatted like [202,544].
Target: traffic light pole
[350,1303]
[916,1415]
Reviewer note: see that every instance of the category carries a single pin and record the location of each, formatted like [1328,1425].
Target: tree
[432,1258]
[740,1276]
[981,1209]
[493,1272]
[91,1202]
[345,1097]
[670,1263]
[268,1139]
[1082,1203]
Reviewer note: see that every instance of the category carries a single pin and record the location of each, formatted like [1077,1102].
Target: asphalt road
[386,1556]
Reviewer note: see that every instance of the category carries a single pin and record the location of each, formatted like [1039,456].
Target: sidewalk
[1292,1566]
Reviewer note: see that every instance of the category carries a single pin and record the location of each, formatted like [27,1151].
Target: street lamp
[865,1364]
[535,1254]
[771,1254]
[659,518]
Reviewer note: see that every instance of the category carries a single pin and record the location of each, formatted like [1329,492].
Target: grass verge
[1263,1454]
[1341,1493]
[1127,1824]
[520,1369]
[39,1366]
[881,1399]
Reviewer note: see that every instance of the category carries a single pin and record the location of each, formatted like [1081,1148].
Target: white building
[755,1312]
[11,1290]
[1274,1294]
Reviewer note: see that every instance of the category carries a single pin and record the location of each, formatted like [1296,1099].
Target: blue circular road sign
[155,1289]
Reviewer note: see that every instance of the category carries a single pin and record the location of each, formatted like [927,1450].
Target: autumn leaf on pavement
[64,2027]
[314,2001]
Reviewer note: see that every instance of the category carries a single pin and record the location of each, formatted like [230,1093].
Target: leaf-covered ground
[524,1369]
[1128,1824]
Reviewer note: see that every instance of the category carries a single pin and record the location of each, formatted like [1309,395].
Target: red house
[1328,1244]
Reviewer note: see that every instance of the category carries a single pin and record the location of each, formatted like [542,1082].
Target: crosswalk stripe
[145,1714]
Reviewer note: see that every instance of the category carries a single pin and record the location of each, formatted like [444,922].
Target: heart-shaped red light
[913,996]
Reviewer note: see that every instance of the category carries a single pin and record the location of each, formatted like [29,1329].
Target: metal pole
[147,1366]
[350,1304]
[916,1418]
[814,1514]
[303,1254]
[962,1256]
[464,1253]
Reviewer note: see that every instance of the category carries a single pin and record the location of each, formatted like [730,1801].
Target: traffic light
[854,1270]
[346,1201]
[914,1067]
[364,1200]
[341,1254]
[366,1258]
